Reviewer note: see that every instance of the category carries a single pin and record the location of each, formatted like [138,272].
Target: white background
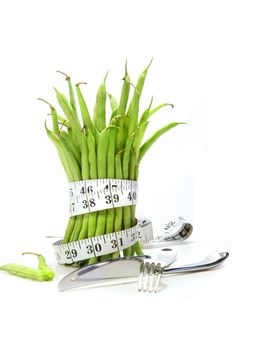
[208,63]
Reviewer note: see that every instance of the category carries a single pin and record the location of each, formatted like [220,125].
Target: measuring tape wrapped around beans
[94,149]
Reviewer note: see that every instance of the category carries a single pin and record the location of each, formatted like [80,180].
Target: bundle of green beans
[92,148]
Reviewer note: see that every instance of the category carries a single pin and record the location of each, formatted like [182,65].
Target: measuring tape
[93,195]
[177,230]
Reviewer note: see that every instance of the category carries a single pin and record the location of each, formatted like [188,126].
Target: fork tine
[152,277]
[141,277]
[158,272]
[146,276]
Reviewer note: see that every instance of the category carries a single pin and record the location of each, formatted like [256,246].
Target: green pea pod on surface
[43,273]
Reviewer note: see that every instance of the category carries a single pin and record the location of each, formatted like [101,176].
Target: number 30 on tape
[93,195]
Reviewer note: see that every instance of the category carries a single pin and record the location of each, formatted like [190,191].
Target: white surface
[208,62]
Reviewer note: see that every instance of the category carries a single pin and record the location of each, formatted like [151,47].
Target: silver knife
[127,269]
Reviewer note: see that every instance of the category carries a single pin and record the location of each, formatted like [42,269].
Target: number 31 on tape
[93,195]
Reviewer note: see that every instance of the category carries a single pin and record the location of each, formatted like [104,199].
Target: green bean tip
[25,253]
[67,77]
[50,105]
[149,64]
[81,83]
[104,80]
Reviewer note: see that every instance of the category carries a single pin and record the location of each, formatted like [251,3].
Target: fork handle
[205,264]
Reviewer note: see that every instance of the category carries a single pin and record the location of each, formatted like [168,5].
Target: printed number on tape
[96,246]
[93,195]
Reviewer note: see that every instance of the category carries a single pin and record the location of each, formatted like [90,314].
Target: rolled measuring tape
[94,195]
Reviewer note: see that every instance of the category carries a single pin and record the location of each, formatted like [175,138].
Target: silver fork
[151,272]
[150,276]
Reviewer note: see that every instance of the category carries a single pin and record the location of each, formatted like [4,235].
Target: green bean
[85,167]
[126,158]
[133,162]
[125,170]
[93,175]
[145,115]
[139,134]
[72,161]
[111,175]
[71,145]
[85,176]
[84,111]
[77,228]
[63,121]
[144,148]
[54,117]
[76,174]
[69,229]
[55,140]
[154,110]
[71,92]
[99,117]
[71,175]
[102,174]
[102,154]
[122,109]
[113,103]
[133,110]
[69,112]
[119,210]
[43,273]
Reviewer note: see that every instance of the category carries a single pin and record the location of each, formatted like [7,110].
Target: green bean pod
[111,175]
[84,111]
[113,103]
[71,145]
[156,109]
[102,174]
[43,273]
[85,169]
[99,117]
[93,175]
[71,92]
[145,115]
[120,141]
[133,110]
[69,112]
[146,146]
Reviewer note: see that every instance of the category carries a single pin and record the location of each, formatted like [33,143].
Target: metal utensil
[127,269]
